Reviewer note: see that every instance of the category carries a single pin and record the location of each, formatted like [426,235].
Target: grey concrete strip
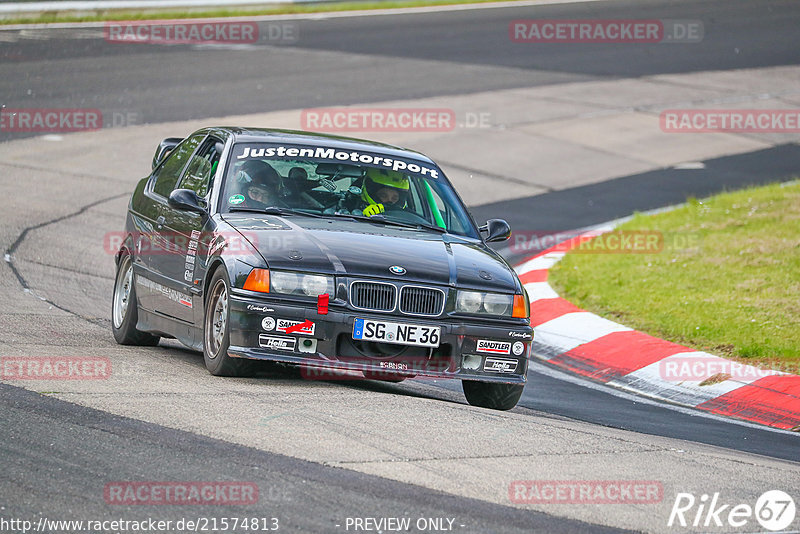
[636,136]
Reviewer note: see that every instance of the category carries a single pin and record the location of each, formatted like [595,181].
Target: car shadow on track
[277,371]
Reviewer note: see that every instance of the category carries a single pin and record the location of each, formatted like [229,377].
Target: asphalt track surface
[68,435]
[47,442]
[391,57]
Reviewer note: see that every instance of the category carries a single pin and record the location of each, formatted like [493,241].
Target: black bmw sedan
[336,254]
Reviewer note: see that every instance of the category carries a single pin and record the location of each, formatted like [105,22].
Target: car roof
[297,137]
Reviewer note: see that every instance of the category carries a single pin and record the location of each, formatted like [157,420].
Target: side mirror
[498,230]
[186,200]
[164,148]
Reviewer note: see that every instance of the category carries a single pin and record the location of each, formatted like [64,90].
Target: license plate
[397,333]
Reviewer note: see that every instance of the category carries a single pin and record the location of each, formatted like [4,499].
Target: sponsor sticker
[236,199]
[167,292]
[499,365]
[295,327]
[518,348]
[520,335]
[494,347]
[254,307]
[338,156]
[398,366]
[267,323]
[191,254]
[277,343]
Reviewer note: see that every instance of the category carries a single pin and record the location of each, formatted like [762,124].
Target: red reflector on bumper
[322,304]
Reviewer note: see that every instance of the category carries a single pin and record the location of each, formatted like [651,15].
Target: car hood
[362,249]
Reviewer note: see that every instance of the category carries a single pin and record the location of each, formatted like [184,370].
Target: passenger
[260,184]
[298,174]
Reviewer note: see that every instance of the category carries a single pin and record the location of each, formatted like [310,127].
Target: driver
[260,184]
[384,190]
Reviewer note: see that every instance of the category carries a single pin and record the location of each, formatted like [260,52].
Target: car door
[156,244]
[184,269]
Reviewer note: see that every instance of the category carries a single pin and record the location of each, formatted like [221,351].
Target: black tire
[492,395]
[216,331]
[124,310]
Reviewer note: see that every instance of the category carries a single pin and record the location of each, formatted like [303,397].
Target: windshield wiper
[383,220]
[275,210]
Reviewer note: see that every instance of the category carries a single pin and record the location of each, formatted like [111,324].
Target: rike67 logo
[774,510]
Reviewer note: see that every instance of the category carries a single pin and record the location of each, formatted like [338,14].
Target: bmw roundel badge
[396,269]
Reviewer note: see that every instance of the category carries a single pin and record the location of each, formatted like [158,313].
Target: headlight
[485,303]
[314,285]
[283,282]
[309,285]
[469,301]
[496,304]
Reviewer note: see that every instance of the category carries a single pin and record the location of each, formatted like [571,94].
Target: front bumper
[483,352]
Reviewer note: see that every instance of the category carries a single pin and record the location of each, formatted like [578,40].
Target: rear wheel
[216,331]
[492,395]
[124,311]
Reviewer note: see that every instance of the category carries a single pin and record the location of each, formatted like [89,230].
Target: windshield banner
[335,155]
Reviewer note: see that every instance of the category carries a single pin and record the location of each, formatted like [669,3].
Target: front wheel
[124,311]
[216,331]
[492,395]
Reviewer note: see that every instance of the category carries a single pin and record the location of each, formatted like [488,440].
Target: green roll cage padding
[434,208]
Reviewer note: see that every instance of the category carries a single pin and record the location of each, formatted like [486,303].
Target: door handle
[160,222]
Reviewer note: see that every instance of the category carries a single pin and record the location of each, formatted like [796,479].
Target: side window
[167,174]
[202,168]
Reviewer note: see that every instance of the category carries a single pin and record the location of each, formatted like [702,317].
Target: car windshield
[359,185]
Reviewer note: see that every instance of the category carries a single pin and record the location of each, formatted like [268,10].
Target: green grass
[280,9]
[727,280]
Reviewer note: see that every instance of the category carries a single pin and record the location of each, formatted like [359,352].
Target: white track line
[553,372]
